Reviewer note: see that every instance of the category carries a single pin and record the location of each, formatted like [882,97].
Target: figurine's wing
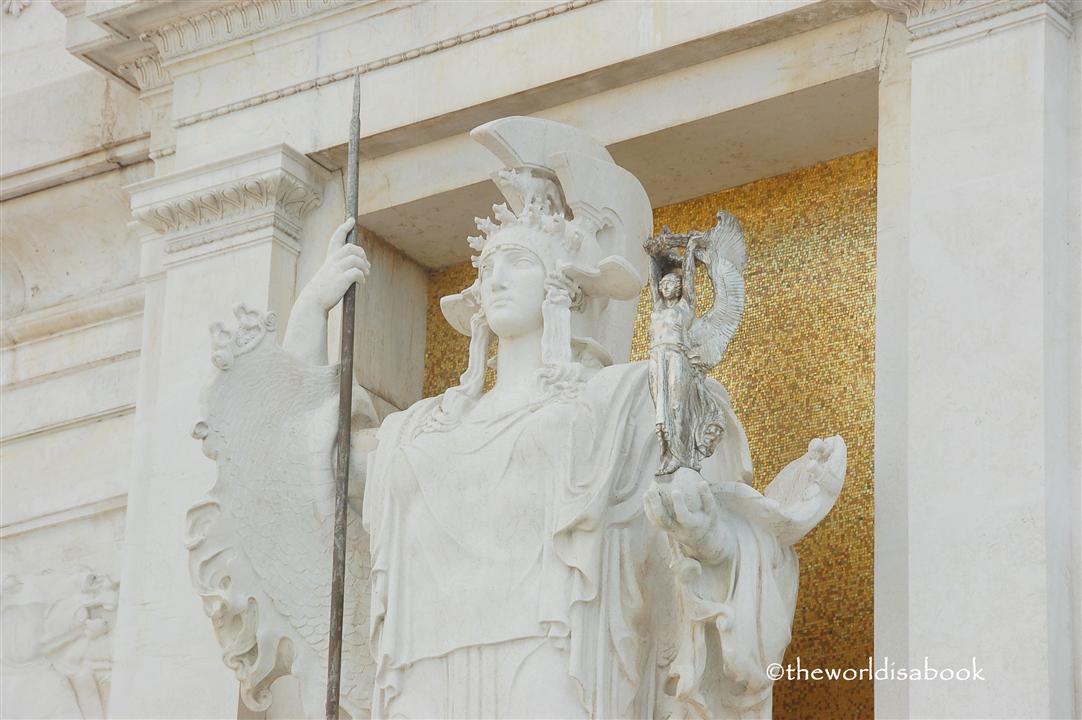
[260,541]
[798,498]
[724,254]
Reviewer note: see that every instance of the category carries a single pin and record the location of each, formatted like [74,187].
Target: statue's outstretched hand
[687,510]
[346,264]
[807,488]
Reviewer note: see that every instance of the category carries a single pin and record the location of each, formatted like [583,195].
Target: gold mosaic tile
[802,365]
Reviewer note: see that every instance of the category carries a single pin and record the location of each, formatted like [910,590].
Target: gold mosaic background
[802,365]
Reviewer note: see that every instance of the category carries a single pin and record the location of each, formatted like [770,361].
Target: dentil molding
[134,41]
[231,21]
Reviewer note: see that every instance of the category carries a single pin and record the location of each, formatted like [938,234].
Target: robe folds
[514,570]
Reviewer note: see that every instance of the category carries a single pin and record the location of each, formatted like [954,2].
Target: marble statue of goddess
[516,557]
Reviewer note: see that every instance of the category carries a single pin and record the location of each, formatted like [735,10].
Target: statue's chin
[507,323]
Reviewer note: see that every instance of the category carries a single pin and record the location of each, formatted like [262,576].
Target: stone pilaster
[213,235]
[992,354]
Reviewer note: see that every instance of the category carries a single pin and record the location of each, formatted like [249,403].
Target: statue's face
[670,286]
[512,290]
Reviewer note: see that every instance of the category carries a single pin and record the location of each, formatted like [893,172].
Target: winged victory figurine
[685,347]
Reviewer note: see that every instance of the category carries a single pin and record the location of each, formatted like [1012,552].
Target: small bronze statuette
[685,347]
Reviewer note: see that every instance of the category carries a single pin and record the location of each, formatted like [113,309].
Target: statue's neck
[517,362]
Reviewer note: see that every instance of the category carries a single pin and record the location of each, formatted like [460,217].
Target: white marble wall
[974,106]
[70,340]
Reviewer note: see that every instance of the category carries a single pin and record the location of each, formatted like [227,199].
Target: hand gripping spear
[345,406]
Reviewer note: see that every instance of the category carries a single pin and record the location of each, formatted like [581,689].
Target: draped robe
[514,571]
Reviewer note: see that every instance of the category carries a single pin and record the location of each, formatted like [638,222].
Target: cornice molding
[230,22]
[926,18]
[76,512]
[42,177]
[388,61]
[162,152]
[71,315]
[137,40]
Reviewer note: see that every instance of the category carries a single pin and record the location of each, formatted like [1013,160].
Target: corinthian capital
[268,190]
[903,9]
[930,17]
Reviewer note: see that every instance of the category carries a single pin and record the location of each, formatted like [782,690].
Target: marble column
[992,405]
[214,235]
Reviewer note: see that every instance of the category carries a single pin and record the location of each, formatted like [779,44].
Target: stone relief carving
[515,554]
[55,648]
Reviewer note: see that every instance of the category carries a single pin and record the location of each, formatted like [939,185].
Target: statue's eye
[524,262]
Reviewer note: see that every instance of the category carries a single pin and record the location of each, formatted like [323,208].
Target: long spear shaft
[345,406]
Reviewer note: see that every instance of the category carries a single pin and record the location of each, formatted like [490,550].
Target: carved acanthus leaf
[278,191]
[925,18]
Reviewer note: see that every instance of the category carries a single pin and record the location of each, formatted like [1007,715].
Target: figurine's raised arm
[346,263]
[688,285]
[656,273]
